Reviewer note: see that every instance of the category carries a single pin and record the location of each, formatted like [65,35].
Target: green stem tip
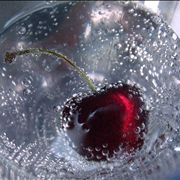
[10,57]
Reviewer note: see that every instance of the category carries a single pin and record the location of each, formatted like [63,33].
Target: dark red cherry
[97,125]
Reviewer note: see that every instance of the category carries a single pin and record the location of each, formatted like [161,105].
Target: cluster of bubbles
[76,120]
[111,41]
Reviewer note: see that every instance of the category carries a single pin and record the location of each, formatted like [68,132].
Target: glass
[112,41]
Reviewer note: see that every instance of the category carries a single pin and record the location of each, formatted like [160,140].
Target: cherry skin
[98,124]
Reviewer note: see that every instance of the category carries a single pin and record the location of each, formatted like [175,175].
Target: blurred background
[169,10]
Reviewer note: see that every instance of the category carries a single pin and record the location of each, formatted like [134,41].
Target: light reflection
[46,82]
[177,148]
[20,45]
[102,14]
[177,81]
[87,31]
[19,88]
[96,76]
[153,5]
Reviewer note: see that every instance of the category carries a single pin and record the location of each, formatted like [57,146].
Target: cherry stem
[10,57]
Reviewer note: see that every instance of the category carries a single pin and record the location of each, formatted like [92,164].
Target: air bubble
[105,145]
[26,92]
[131,11]
[27,81]
[2,74]
[99,157]
[22,31]
[30,25]
[138,130]
[97,149]
[56,108]
[90,149]
[174,36]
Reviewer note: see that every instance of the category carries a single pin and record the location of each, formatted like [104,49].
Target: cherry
[98,124]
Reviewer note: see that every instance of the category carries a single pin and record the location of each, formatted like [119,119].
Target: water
[112,42]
